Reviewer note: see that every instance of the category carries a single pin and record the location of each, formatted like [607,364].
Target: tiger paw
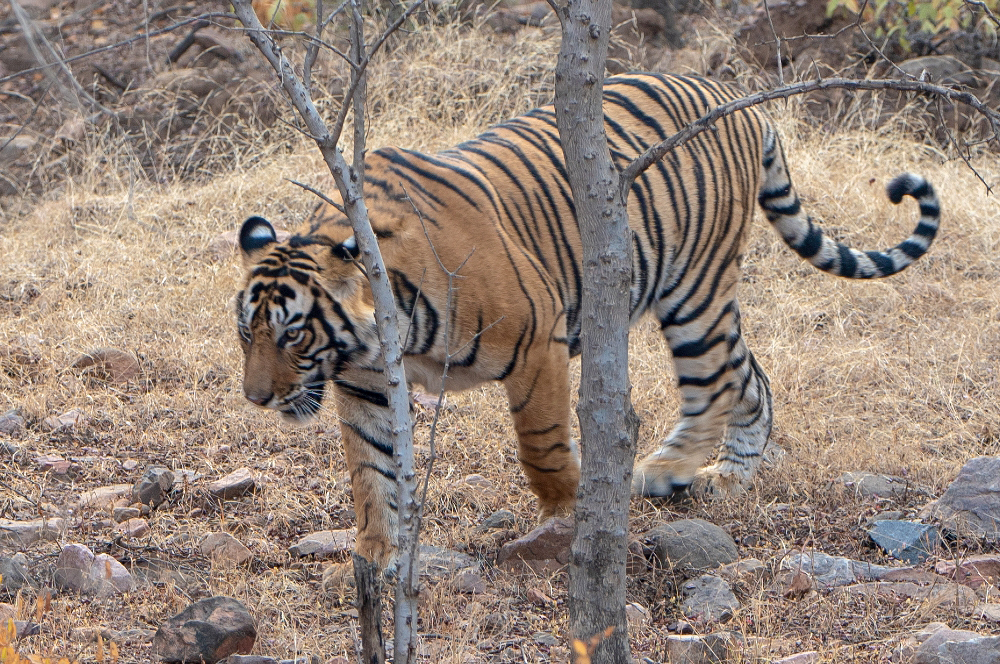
[717,482]
[656,478]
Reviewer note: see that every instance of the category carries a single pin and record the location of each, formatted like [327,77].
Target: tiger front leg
[539,407]
[366,434]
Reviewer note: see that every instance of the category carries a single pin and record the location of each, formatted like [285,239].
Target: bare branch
[777,43]
[656,152]
[326,199]
[983,6]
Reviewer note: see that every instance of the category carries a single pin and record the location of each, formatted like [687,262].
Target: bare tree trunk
[608,424]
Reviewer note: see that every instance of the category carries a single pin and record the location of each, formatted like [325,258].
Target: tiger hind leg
[747,433]
[703,356]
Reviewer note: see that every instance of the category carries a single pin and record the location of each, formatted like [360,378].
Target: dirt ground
[105,248]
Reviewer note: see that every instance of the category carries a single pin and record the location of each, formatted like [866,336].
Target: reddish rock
[223,547]
[135,527]
[108,364]
[235,484]
[208,630]
[24,533]
[543,550]
[973,571]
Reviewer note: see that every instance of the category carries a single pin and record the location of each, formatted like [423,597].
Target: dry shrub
[896,376]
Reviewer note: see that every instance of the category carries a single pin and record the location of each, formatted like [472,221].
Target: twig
[989,13]
[109,77]
[326,199]
[777,43]
[182,47]
[656,152]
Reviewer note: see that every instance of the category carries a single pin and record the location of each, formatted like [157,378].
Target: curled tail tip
[907,184]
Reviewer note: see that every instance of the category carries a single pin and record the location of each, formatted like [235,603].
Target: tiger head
[304,315]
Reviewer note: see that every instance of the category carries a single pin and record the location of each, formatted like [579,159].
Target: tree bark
[608,425]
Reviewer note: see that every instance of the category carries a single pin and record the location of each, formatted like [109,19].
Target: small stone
[106,497]
[136,527]
[905,540]
[338,579]
[438,562]
[153,487]
[23,534]
[944,595]
[636,613]
[973,571]
[11,424]
[109,365]
[810,657]
[325,543]
[497,520]
[708,599]
[481,485]
[224,548]
[988,611]
[870,485]
[971,504]
[78,569]
[545,639]
[746,568]
[538,598]
[12,147]
[14,576]
[832,571]
[129,465]
[692,543]
[72,419]
[469,583]
[235,484]
[120,514]
[544,548]
[707,649]
[210,630]
[52,462]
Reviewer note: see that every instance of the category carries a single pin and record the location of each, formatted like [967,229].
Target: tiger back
[496,213]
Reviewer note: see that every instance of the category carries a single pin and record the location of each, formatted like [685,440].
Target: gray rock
[545,639]
[871,484]
[982,650]
[106,497]
[971,504]
[78,569]
[908,541]
[210,630]
[692,543]
[120,514]
[497,520]
[11,423]
[12,147]
[832,571]
[543,550]
[468,583]
[438,562]
[154,486]
[809,657]
[25,533]
[14,575]
[707,649]
[708,599]
[937,644]
[324,543]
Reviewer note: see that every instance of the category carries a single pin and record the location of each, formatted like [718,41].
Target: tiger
[498,212]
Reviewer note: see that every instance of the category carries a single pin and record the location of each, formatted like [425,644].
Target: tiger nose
[259,399]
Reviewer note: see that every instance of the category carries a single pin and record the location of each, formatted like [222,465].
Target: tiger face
[302,318]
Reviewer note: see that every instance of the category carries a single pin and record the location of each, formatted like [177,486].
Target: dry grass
[895,377]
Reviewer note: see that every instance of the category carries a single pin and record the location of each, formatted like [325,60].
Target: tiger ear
[256,234]
[347,250]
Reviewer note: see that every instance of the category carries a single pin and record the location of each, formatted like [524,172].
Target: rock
[543,550]
[989,612]
[23,534]
[636,614]
[545,639]
[324,543]
[937,644]
[120,514]
[692,543]
[53,463]
[707,649]
[13,147]
[870,485]
[939,595]
[477,481]
[747,568]
[940,69]
[972,571]
[137,527]
[11,423]
[538,598]
[809,657]
[72,419]
[971,504]
[908,541]
[78,569]
[468,583]
[153,487]
[831,571]
[497,520]
[708,599]
[106,497]
[224,548]
[438,562]
[109,365]
[7,613]
[235,484]
[210,630]
[14,576]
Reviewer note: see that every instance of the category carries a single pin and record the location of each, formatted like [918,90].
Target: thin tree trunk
[608,425]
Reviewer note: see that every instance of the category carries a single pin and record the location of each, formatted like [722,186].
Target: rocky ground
[144,508]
